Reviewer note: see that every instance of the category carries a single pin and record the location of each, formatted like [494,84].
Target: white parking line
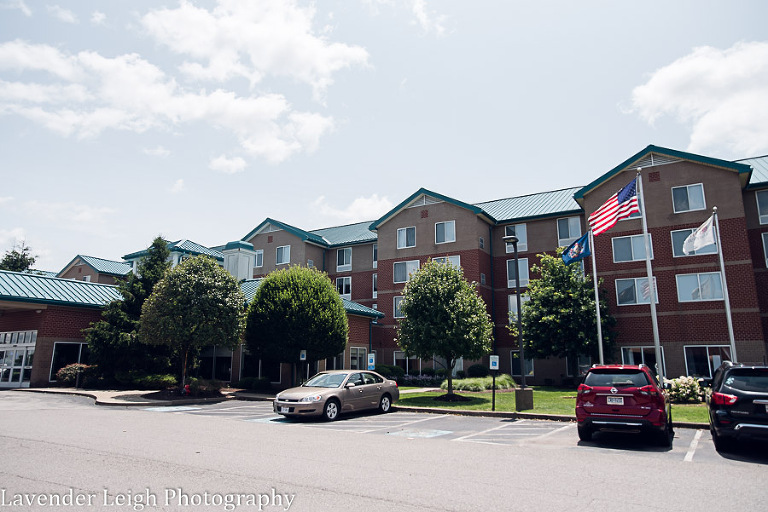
[692,448]
[476,434]
[172,408]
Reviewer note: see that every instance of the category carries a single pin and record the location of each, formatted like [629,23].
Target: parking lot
[690,445]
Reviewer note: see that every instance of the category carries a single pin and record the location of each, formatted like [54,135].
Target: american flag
[619,206]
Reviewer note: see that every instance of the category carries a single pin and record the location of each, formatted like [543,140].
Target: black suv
[738,404]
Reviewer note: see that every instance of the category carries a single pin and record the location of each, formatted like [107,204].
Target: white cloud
[98,18]
[252,39]
[6,199]
[10,237]
[95,93]
[361,209]
[70,216]
[17,4]
[62,14]
[227,165]
[430,22]
[158,151]
[721,94]
[177,187]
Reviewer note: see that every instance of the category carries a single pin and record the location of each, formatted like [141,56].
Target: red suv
[623,398]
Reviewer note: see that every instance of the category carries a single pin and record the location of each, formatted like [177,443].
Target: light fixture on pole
[512,239]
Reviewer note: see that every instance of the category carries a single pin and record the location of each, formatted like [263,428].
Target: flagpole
[651,286]
[597,299]
[725,288]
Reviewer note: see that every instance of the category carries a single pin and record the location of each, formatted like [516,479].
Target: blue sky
[124,120]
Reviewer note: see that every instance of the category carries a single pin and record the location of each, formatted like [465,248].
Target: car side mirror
[350,385]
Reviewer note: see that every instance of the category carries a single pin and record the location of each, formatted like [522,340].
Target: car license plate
[615,400]
[285,409]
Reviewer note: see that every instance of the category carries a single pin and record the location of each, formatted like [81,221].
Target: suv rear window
[747,380]
[616,378]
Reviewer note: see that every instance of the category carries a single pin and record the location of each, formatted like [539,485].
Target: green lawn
[546,400]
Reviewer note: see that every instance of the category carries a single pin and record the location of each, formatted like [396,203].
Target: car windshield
[748,380]
[326,380]
[616,378]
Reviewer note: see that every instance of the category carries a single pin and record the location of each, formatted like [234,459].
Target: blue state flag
[578,250]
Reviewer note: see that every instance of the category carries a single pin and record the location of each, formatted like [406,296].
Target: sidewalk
[135,398]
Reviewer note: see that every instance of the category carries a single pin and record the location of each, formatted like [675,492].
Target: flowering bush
[684,389]
[67,376]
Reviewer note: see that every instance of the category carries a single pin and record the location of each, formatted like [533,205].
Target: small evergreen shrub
[390,371]
[154,381]
[429,372]
[478,370]
[67,376]
[198,387]
[255,384]
[477,384]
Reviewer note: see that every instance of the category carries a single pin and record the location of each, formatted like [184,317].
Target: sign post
[494,365]
[371,361]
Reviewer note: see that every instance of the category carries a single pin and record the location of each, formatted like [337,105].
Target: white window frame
[633,239]
[643,349]
[396,313]
[449,235]
[529,362]
[286,255]
[698,278]
[710,249]
[566,241]
[454,260]
[364,358]
[521,232]
[512,305]
[762,218]
[346,253]
[258,260]
[375,286]
[584,362]
[638,281]
[765,248]
[346,284]
[411,266]
[404,231]
[375,255]
[522,270]
[712,364]
[687,188]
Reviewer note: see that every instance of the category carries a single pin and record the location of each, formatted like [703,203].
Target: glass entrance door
[17,353]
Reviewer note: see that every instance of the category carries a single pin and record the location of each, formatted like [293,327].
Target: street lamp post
[513,240]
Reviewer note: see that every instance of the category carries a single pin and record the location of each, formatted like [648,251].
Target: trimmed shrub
[476,384]
[478,370]
[67,376]
[255,384]
[429,372]
[461,374]
[390,371]
[154,381]
[199,387]
[422,381]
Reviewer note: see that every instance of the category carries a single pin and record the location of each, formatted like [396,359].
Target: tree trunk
[184,368]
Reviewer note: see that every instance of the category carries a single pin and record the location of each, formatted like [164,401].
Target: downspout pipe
[493,290]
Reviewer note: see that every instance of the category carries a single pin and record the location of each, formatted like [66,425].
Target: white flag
[701,237]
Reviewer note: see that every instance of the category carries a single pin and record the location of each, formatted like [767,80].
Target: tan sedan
[331,393]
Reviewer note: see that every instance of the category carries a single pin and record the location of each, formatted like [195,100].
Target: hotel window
[678,239]
[762,206]
[765,248]
[453,260]
[344,259]
[344,287]
[513,305]
[702,361]
[357,358]
[396,307]
[445,232]
[688,198]
[521,232]
[568,230]
[375,285]
[283,255]
[512,275]
[375,255]
[635,291]
[642,355]
[406,237]
[515,356]
[629,248]
[260,258]
[699,287]
[402,270]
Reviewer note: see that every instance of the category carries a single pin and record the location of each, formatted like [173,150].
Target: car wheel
[721,443]
[666,436]
[585,433]
[385,404]
[331,410]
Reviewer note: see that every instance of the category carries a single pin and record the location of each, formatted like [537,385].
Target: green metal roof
[115,268]
[300,233]
[759,178]
[533,206]
[183,246]
[424,192]
[632,163]
[347,235]
[249,287]
[37,289]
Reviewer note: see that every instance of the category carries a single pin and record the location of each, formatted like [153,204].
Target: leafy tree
[197,304]
[18,259]
[559,318]
[113,341]
[296,309]
[443,316]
